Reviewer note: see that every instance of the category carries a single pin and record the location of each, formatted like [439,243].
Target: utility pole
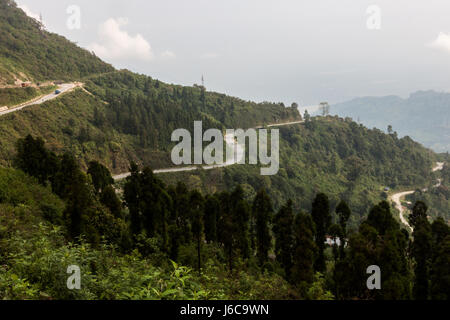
[41,22]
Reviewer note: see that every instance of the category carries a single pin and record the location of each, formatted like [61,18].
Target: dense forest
[156,241]
[28,52]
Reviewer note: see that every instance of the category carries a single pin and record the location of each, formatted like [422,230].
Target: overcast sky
[278,50]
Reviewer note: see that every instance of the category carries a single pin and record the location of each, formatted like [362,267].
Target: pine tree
[131,194]
[335,231]
[210,217]
[109,198]
[343,211]
[196,207]
[262,211]
[181,204]
[304,252]
[240,220]
[322,220]
[440,278]
[380,217]
[283,224]
[419,213]
[175,240]
[421,250]
[101,177]
[241,217]
[440,271]
[35,160]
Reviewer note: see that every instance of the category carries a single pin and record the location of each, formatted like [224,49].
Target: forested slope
[28,52]
[331,155]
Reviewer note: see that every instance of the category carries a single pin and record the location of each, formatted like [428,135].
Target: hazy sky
[278,50]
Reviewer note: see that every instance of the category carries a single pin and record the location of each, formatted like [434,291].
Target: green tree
[440,260]
[440,278]
[262,211]
[343,211]
[210,217]
[132,190]
[283,231]
[322,220]
[109,198]
[35,160]
[421,250]
[196,207]
[304,252]
[101,177]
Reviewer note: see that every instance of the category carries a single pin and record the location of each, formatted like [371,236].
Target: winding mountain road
[239,153]
[396,198]
[63,88]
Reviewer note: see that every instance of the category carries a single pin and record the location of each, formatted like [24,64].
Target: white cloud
[116,44]
[168,55]
[441,42]
[28,12]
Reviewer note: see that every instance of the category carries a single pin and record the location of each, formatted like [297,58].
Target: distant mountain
[424,116]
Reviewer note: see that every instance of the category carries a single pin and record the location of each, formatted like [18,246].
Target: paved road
[239,154]
[398,205]
[63,88]
[396,198]
[439,166]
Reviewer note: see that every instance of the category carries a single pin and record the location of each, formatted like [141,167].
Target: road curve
[396,198]
[63,88]
[439,166]
[398,205]
[239,152]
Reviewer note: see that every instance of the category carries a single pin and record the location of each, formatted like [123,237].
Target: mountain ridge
[424,115]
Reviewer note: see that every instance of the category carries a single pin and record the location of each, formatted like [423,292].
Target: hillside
[29,53]
[436,195]
[424,116]
[130,118]
[331,155]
